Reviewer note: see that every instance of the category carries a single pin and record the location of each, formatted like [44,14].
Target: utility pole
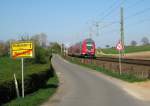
[97,28]
[122,28]
[90,32]
[62,49]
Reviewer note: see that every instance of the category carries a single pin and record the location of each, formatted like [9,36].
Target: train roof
[89,40]
[85,40]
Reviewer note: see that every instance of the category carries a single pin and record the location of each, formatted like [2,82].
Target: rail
[123,60]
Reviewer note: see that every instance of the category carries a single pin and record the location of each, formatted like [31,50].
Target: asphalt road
[83,88]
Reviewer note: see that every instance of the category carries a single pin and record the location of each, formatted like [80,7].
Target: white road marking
[135,94]
[66,61]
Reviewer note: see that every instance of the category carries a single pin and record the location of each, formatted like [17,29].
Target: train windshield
[89,45]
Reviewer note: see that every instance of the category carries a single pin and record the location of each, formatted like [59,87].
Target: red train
[86,48]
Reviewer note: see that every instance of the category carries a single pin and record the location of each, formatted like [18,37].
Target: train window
[89,46]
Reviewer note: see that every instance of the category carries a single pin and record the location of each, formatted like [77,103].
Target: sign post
[22,78]
[120,68]
[22,49]
[119,47]
[16,86]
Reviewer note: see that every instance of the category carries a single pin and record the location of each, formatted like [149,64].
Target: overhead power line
[126,18]
[110,24]
[110,7]
[138,13]
[135,4]
[107,10]
[139,22]
[113,9]
[111,31]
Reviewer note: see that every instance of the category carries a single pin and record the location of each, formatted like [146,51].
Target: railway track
[137,67]
[123,60]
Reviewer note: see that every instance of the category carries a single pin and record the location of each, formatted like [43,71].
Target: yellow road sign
[22,49]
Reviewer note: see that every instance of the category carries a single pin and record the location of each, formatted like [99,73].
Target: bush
[32,83]
[37,98]
[40,55]
[4,48]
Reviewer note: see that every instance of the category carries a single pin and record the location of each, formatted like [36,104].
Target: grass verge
[38,97]
[125,77]
[9,66]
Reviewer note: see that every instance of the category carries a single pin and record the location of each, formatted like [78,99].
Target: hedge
[31,82]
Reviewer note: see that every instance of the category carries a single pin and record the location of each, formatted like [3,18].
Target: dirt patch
[139,90]
[145,84]
[139,55]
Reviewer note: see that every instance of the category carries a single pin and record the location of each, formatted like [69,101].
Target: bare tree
[145,41]
[1,48]
[24,36]
[133,43]
[4,48]
[41,39]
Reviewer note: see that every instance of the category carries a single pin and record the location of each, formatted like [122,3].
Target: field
[128,49]
[10,66]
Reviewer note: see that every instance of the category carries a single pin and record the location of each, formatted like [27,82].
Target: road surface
[80,87]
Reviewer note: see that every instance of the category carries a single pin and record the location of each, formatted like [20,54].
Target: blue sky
[70,21]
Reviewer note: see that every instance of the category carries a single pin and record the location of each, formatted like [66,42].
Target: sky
[71,21]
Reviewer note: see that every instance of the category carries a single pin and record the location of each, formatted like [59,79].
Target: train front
[88,48]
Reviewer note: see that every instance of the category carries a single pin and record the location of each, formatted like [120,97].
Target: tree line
[43,48]
[144,41]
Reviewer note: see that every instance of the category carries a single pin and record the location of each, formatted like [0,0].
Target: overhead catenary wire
[138,13]
[131,6]
[129,17]
[113,9]
[112,31]
[108,11]
[135,4]
[139,22]
[110,7]
[110,24]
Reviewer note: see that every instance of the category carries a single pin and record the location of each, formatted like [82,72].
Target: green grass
[128,49]
[38,97]
[9,66]
[125,77]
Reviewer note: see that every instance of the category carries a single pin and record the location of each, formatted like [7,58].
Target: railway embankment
[131,68]
[133,81]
